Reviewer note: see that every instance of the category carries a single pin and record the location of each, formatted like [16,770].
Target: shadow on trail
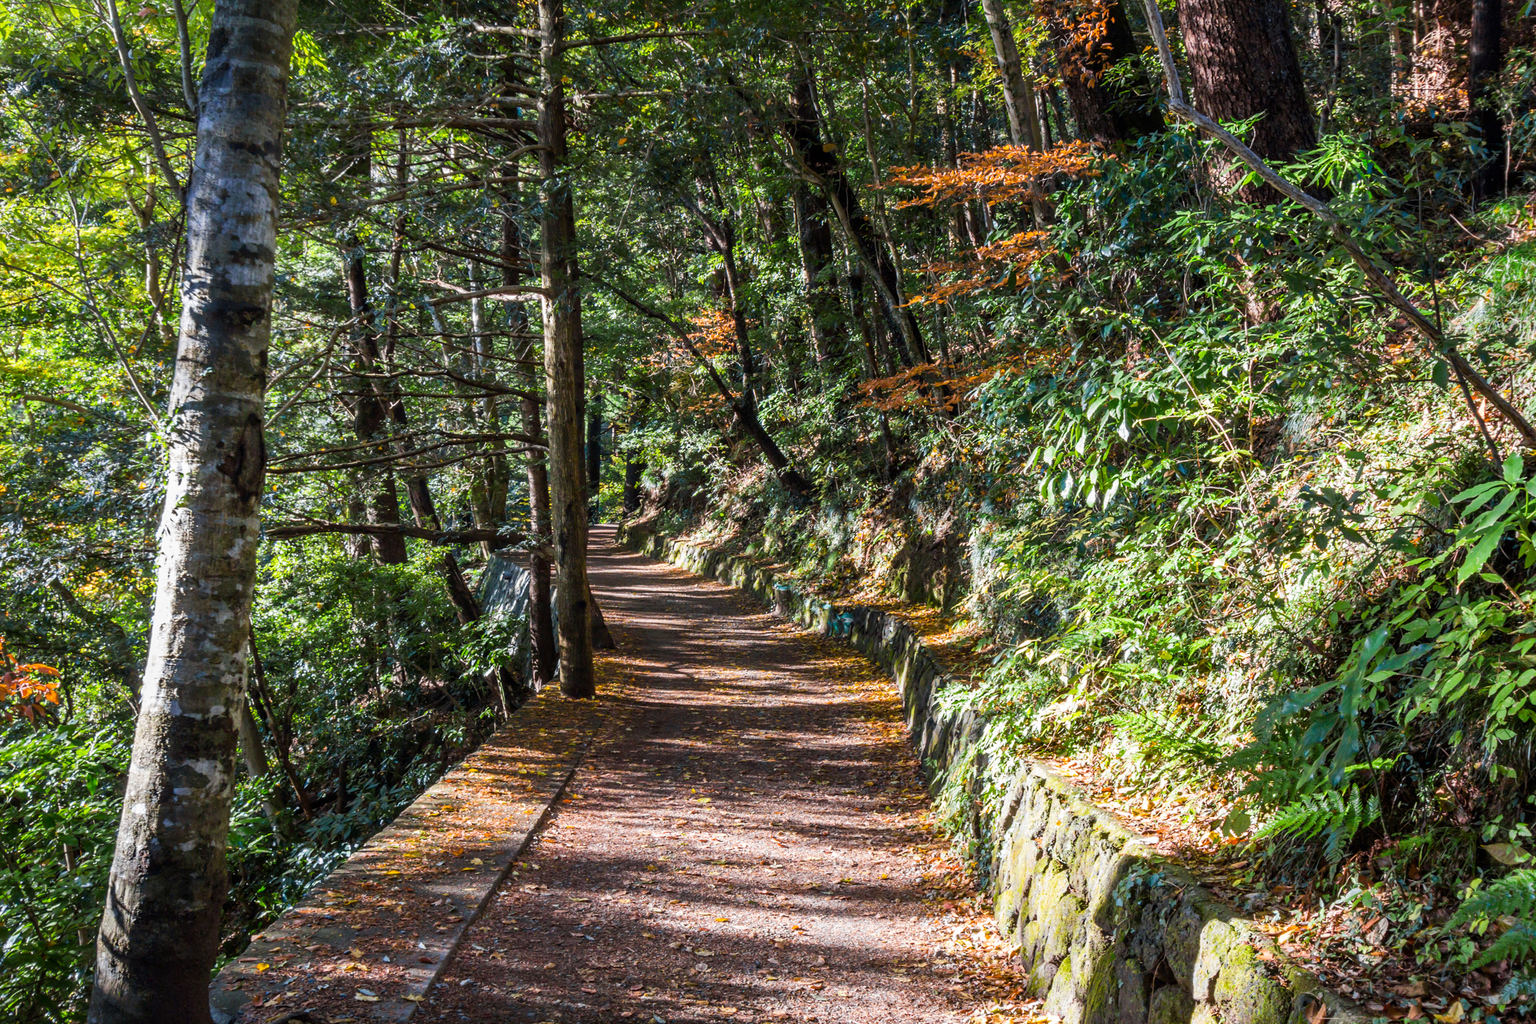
[747,842]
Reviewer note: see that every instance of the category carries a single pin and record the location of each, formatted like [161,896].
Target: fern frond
[1336,815]
[1180,740]
[1513,895]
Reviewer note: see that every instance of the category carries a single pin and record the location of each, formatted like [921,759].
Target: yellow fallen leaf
[263,967]
[1453,1013]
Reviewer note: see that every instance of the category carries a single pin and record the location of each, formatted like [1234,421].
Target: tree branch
[1439,344]
[492,537]
[131,83]
[509,293]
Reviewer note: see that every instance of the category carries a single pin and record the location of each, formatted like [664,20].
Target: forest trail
[746,845]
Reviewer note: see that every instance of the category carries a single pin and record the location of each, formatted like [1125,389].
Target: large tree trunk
[1487,61]
[1105,113]
[563,364]
[160,931]
[1244,63]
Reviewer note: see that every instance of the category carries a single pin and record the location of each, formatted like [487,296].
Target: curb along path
[368,942]
[746,844]
[1106,928]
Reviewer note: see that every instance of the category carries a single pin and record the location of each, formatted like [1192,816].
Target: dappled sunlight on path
[746,843]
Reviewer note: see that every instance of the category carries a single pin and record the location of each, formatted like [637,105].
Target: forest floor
[749,841]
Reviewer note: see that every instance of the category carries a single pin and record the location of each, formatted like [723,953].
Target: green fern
[1336,815]
[1514,896]
[1162,738]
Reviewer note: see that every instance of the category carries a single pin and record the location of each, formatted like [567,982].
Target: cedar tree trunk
[1243,63]
[1105,112]
[1486,64]
[563,367]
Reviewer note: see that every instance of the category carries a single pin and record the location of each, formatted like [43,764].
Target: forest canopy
[1183,354]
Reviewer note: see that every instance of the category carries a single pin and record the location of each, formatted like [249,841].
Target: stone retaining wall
[1109,931]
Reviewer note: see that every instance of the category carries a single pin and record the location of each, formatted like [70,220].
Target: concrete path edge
[323,925]
[1109,930]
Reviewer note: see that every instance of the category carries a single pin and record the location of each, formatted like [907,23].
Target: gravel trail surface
[746,843]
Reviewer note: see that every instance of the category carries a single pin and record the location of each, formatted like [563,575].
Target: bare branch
[633,37]
[508,293]
[496,540]
[151,126]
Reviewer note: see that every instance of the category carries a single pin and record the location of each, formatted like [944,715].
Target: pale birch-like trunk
[160,932]
[1018,97]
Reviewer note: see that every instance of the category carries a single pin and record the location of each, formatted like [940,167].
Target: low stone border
[370,940]
[1109,931]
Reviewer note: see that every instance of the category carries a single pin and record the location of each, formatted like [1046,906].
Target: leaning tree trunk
[1487,60]
[804,136]
[563,367]
[1018,97]
[160,931]
[818,257]
[1244,63]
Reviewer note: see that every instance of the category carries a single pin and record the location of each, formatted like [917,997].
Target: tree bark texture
[1243,63]
[1018,97]
[159,934]
[563,364]
[1105,112]
[1487,61]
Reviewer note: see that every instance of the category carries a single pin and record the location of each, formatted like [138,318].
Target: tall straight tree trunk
[540,615]
[563,363]
[594,451]
[160,931]
[1244,63]
[514,262]
[1487,61]
[368,412]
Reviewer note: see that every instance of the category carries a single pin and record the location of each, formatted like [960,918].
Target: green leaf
[1479,555]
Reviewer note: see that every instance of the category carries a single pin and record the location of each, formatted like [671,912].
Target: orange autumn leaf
[22,693]
[1006,174]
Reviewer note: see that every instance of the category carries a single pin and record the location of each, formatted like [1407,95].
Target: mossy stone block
[1170,1005]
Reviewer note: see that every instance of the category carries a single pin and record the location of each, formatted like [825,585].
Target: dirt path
[746,844]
